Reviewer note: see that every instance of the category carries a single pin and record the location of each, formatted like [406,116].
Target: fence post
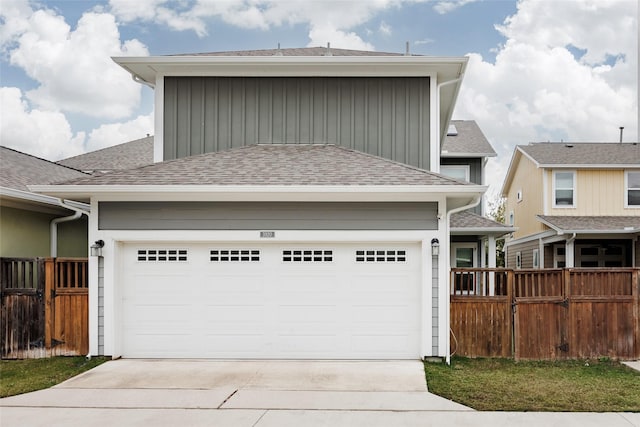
[49,289]
[635,290]
[511,305]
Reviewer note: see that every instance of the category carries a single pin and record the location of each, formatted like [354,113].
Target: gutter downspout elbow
[53,225]
[136,78]
[475,202]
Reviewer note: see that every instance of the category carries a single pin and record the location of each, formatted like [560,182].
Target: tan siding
[527,178]
[599,192]
[526,250]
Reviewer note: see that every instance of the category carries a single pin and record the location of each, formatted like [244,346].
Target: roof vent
[452,130]
[328,52]
[278,51]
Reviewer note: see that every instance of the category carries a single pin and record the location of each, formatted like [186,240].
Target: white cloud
[447,6]
[538,91]
[328,20]
[117,133]
[385,28]
[45,134]
[73,67]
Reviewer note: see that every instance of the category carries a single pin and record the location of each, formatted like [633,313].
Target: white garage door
[340,301]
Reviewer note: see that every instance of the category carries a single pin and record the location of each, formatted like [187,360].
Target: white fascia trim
[41,198]
[448,155]
[544,234]
[482,230]
[588,166]
[147,67]
[260,193]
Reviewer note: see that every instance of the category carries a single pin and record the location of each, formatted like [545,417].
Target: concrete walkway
[262,394]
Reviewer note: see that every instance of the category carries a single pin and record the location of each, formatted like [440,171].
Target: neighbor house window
[632,190]
[460,172]
[536,258]
[564,189]
[512,218]
[518,259]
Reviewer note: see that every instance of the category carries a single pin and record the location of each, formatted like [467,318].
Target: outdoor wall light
[435,247]
[96,248]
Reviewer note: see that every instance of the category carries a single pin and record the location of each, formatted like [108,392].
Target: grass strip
[23,376]
[505,385]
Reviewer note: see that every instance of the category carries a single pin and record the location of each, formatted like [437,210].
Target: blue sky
[539,70]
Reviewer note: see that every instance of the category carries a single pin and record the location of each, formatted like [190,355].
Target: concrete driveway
[262,394]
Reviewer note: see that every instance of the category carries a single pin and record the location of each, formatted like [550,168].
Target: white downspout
[53,226]
[473,204]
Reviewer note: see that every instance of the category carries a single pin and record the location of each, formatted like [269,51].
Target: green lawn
[23,376]
[506,385]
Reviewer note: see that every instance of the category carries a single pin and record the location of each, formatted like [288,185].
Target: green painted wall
[25,233]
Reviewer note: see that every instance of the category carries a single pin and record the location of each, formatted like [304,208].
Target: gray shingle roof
[304,51]
[583,153]
[129,155]
[471,220]
[273,164]
[469,141]
[595,223]
[17,170]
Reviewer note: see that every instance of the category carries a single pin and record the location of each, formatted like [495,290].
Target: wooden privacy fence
[546,314]
[44,307]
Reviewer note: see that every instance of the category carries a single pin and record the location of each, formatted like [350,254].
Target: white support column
[492,264]
[569,258]
[93,269]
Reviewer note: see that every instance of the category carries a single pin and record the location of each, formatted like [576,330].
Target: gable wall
[387,117]
[599,192]
[527,178]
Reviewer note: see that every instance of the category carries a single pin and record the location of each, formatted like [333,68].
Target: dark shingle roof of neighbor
[595,223]
[275,164]
[304,51]
[585,153]
[469,140]
[129,155]
[18,169]
[469,219]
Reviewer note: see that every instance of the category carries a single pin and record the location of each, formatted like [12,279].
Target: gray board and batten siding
[267,216]
[382,116]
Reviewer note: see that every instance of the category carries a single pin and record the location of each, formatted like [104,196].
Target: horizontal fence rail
[546,313]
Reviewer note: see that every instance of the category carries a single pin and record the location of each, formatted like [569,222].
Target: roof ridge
[104,148]
[404,165]
[44,160]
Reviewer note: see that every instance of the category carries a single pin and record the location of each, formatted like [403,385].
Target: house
[574,205]
[465,153]
[294,210]
[35,225]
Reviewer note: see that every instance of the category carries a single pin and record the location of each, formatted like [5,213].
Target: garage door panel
[334,308]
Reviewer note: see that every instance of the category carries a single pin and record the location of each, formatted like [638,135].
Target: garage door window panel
[307,255]
[378,255]
[234,255]
[162,255]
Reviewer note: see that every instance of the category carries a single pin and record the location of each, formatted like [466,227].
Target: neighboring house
[464,155]
[294,210]
[129,155]
[30,222]
[574,205]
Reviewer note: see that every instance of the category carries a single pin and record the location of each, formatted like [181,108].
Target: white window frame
[519,195]
[536,258]
[626,189]
[518,260]
[467,171]
[574,189]
[512,218]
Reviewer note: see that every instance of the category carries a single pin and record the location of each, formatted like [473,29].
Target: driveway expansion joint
[227,399]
